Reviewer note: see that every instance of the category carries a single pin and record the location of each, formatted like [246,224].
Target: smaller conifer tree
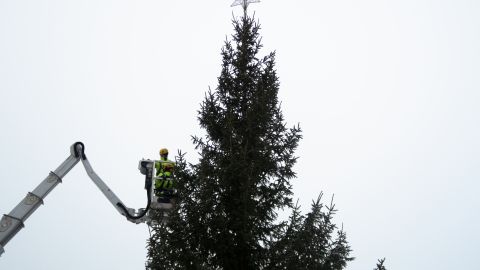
[380,265]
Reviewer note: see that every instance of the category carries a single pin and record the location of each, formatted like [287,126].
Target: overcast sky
[387,94]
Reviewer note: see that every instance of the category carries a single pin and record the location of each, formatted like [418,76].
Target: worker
[164,182]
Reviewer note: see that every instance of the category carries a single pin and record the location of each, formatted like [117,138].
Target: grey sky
[387,94]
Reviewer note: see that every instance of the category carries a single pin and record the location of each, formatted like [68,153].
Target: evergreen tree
[226,215]
[308,243]
[380,265]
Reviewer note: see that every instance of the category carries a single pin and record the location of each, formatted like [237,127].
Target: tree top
[244,3]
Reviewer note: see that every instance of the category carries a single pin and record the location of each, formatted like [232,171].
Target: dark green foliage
[308,243]
[380,265]
[226,215]
[174,246]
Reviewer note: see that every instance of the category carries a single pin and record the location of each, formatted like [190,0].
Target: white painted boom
[12,223]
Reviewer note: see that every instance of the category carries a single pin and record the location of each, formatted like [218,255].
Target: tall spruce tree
[226,214]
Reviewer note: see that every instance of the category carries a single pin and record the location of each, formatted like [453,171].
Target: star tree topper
[244,3]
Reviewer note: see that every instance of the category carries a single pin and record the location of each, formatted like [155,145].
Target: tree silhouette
[226,216]
[380,265]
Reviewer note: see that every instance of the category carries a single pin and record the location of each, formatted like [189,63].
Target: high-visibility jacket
[164,175]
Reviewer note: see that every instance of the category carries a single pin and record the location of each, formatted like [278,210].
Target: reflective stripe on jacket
[163,184]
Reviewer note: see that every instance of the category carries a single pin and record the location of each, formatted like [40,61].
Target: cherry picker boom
[12,223]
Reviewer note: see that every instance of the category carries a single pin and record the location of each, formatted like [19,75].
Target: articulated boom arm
[12,223]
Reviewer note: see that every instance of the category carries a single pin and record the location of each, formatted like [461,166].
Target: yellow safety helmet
[163,151]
